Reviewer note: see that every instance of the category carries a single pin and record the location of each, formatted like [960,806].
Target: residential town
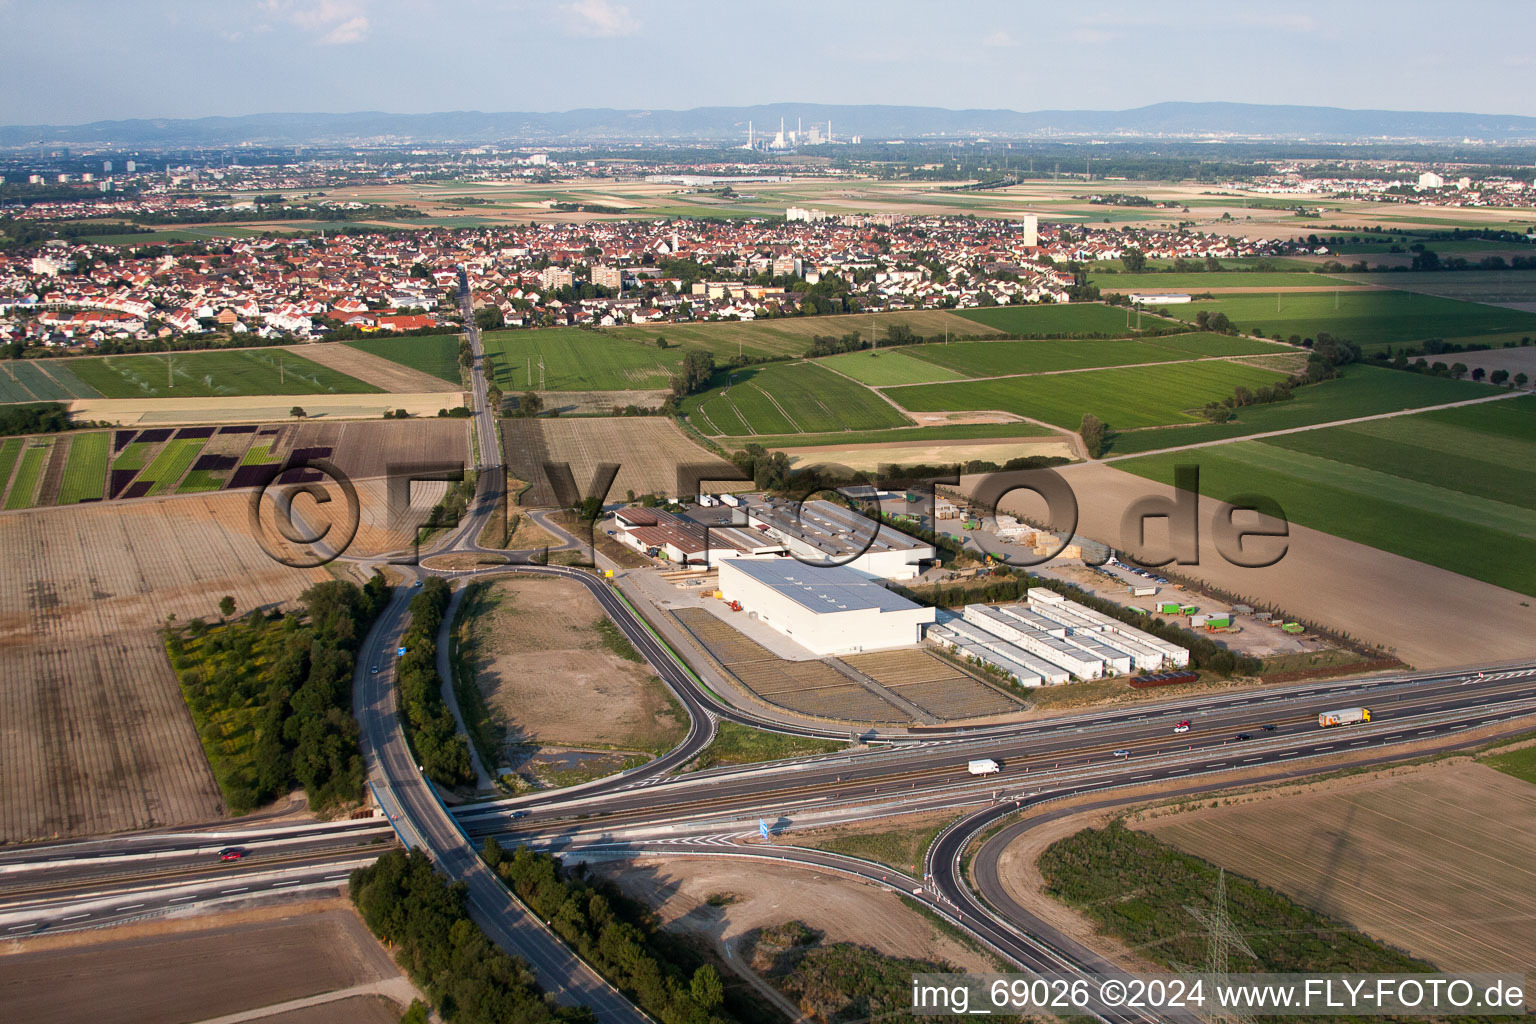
[80,296]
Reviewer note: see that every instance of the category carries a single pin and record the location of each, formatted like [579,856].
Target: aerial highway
[651,809]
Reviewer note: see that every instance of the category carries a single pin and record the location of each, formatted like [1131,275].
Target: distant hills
[1188,121]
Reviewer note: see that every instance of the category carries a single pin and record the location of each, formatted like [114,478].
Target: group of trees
[895,334]
[1092,430]
[425,918]
[42,418]
[1217,322]
[297,695]
[664,976]
[440,748]
[693,373]
[1323,362]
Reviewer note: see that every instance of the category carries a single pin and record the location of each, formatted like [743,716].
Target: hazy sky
[72,61]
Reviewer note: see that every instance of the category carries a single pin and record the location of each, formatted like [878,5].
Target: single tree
[297,412]
[227,605]
[1498,376]
[1092,433]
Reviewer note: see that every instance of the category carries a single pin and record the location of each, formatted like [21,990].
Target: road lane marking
[226,892]
[130,906]
[74,917]
[178,899]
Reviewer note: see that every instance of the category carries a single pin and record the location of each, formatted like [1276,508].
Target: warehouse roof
[821,589]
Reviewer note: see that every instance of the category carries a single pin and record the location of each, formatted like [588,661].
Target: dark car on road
[1243,736]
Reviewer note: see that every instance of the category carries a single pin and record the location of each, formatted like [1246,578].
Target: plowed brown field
[94,735]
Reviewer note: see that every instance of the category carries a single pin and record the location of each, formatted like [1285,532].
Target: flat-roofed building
[826,610]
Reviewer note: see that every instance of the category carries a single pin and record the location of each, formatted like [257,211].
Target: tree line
[425,917]
[296,695]
[666,978]
[440,748]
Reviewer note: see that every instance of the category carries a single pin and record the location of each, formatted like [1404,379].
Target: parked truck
[1344,716]
[1137,591]
[983,766]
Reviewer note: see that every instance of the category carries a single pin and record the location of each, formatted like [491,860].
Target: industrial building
[827,610]
[659,534]
[1049,640]
[822,532]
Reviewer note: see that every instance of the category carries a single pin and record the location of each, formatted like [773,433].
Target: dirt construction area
[1439,859]
[648,450]
[306,962]
[1426,616]
[762,894]
[584,694]
[94,735]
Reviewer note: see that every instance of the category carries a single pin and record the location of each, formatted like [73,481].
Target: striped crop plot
[85,473]
[41,380]
[171,465]
[29,473]
[213,374]
[1140,396]
[788,398]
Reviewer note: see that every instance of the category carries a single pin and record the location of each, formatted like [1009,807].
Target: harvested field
[211,968]
[648,449]
[258,408]
[92,725]
[869,457]
[369,368]
[934,685]
[808,687]
[766,894]
[587,693]
[1374,595]
[1436,860]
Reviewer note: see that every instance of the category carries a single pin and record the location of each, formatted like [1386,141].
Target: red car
[1182,726]
[232,853]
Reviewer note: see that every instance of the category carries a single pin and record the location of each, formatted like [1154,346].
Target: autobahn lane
[912,771]
[958,790]
[120,902]
[422,821]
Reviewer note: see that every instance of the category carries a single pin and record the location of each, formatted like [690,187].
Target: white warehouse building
[826,610]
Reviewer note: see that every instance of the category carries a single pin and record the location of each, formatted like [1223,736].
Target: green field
[788,398]
[210,374]
[437,354]
[1138,396]
[1454,488]
[10,450]
[1000,358]
[1372,320]
[1041,321]
[577,360]
[85,470]
[1200,281]
[792,335]
[1358,391]
[902,435]
[885,367]
[25,485]
[1471,285]
[37,381]
[172,463]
